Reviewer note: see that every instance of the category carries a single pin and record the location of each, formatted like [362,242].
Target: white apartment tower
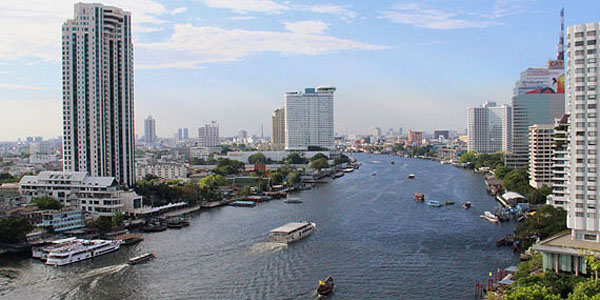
[149,130]
[540,155]
[208,136]
[98,116]
[582,77]
[309,118]
[489,128]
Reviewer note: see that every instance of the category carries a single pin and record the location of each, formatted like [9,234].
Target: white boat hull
[83,255]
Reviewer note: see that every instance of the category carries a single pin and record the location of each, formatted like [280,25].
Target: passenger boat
[142,258]
[467,205]
[419,197]
[42,252]
[326,286]
[81,251]
[128,239]
[490,217]
[434,203]
[291,232]
[243,203]
[154,227]
[292,200]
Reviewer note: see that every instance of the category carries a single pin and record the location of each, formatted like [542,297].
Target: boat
[305,187]
[392,162]
[42,252]
[434,203]
[292,200]
[449,203]
[174,223]
[141,258]
[467,205]
[291,232]
[419,197]
[155,226]
[128,239]
[243,203]
[81,251]
[490,217]
[348,170]
[338,175]
[411,176]
[325,286]
[373,174]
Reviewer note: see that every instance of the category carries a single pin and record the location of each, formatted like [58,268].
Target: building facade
[441,133]
[63,220]
[415,137]
[98,116]
[208,136]
[309,118]
[541,155]
[150,130]
[489,128]
[166,171]
[560,165]
[278,126]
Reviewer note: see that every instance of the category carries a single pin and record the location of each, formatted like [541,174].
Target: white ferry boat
[292,232]
[42,252]
[84,250]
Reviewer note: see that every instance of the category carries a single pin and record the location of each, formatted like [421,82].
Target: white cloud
[242,18]
[504,8]
[274,7]
[38,25]
[190,45]
[332,9]
[178,10]
[421,17]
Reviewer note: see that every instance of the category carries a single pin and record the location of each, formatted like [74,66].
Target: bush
[46,202]
[14,230]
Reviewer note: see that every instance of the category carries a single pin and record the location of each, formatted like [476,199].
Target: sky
[409,64]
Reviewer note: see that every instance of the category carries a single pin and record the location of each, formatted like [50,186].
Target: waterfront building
[540,155]
[161,170]
[208,136]
[309,118]
[489,128]
[150,130]
[560,165]
[99,195]
[97,72]
[415,137]
[63,220]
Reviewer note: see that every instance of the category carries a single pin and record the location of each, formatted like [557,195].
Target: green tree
[246,191]
[594,264]
[319,164]
[467,157]
[293,178]
[150,177]
[45,202]
[501,172]
[318,156]
[295,159]
[276,178]
[103,223]
[14,230]
[226,166]
[586,290]
[117,220]
[546,222]
[342,159]
[532,292]
[257,158]
[212,181]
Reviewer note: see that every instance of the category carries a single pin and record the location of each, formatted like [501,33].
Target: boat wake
[266,248]
[105,270]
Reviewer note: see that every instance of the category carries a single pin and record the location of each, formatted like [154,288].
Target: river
[372,237]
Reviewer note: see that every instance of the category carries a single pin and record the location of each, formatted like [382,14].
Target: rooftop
[289,227]
[563,243]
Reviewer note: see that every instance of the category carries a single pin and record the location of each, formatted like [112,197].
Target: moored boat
[348,170]
[419,197]
[338,175]
[155,226]
[42,252]
[373,174]
[243,203]
[128,239]
[292,200]
[325,286]
[449,203]
[141,258]
[84,250]
[291,232]
[434,203]
[490,217]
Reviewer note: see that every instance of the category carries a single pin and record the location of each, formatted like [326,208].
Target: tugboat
[325,287]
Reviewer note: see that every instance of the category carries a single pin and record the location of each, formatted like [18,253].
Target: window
[591,42]
[591,51]
[579,34]
[579,214]
[578,52]
[591,60]
[591,33]
[589,237]
[578,43]
[580,79]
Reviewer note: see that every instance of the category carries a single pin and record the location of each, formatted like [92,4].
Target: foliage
[398,147]
[546,222]
[319,164]
[149,177]
[517,180]
[493,161]
[225,149]
[45,202]
[200,161]
[586,290]
[594,264]
[158,192]
[293,178]
[14,230]
[467,157]
[276,178]
[532,292]
[7,178]
[117,220]
[526,267]
[427,150]
[212,181]
[246,191]
[257,158]
[318,156]
[342,159]
[295,159]
[560,284]
[501,172]
[226,166]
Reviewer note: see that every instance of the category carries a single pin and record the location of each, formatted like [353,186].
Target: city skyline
[383,79]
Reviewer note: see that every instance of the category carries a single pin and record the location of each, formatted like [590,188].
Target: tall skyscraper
[278,126]
[208,136]
[186,134]
[584,189]
[309,118]
[489,128]
[149,130]
[98,116]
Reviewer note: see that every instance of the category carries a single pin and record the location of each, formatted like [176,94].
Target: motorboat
[411,176]
[490,217]
[373,174]
[449,203]
[141,258]
[326,286]
[338,175]
[419,197]
[434,203]
[467,205]
[84,250]
[292,232]
[348,170]
[292,200]
[155,226]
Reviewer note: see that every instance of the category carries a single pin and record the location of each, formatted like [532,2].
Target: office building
[150,130]
[488,128]
[541,155]
[309,118]
[98,114]
[441,133]
[415,137]
[186,134]
[208,136]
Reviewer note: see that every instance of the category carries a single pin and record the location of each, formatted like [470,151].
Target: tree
[467,157]
[594,264]
[586,290]
[501,171]
[257,159]
[319,164]
[546,222]
[342,159]
[103,223]
[293,178]
[276,178]
[246,191]
[226,166]
[45,202]
[318,156]
[14,230]
[117,220]
[295,159]
[150,177]
[212,181]
[532,292]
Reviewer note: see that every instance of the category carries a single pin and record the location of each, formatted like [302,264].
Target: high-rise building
[149,130]
[376,133]
[186,134]
[242,135]
[278,126]
[309,118]
[415,137]
[179,134]
[208,136]
[98,115]
[400,131]
[560,165]
[441,133]
[489,128]
[538,98]
[541,155]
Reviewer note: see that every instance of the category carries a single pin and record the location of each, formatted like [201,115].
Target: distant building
[278,127]
[208,136]
[309,118]
[540,155]
[415,137]
[242,135]
[162,170]
[400,131]
[441,133]
[150,130]
[376,133]
[98,104]
[180,134]
[560,166]
[489,128]
[186,134]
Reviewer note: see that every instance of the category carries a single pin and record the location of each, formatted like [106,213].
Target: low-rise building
[164,170]
[63,220]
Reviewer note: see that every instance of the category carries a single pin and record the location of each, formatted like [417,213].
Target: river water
[372,237]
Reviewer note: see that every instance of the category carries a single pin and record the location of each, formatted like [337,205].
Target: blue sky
[410,64]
